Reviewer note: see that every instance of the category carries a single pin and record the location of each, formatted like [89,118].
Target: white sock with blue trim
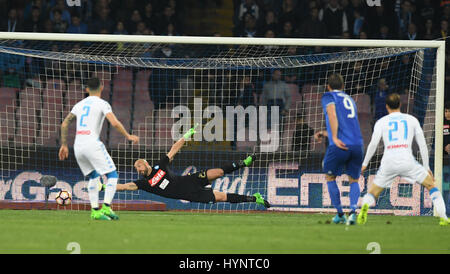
[93,192]
[438,202]
[110,190]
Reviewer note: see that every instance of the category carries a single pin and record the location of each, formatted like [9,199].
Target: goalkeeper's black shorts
[192,187]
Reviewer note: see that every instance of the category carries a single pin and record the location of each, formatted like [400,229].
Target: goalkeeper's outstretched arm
[179,144]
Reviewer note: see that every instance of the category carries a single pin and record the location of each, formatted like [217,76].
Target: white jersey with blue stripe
[398,131]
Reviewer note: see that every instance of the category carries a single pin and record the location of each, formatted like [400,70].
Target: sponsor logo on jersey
[164,183]
[83,132]
[397,146]
[158,176]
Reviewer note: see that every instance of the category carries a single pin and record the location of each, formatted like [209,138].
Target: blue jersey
[347,116]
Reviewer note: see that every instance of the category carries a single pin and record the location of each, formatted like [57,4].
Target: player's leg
[104,164]
[238,198]
[332,167]
[94,180]
[368,200]
[436,198]
[93,190]
[354,171]
[231,167]
[110,190]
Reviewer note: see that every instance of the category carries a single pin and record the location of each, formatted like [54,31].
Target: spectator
[120,28]
[429,33]
[13,70]
[289,13]
[427,11]
[64,12]
[288,30]
[167,16]
[312,27]
[363,35]
[141,29]
[149,16]
[334,18]
[40,4]
[384,33]
[269,23]
[405,17]
[247,95]
[443,31]
[170,31]
[102,22]
[135,18]
[358,22]
[276,93]
[77,26]
[248,7]
[412,32]
[446,129]
[302,134]
[12,23]
[249,26]
[379,17]
[59,25]
[379,99]
[34,23]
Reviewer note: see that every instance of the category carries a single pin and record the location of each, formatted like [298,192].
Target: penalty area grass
[42,231]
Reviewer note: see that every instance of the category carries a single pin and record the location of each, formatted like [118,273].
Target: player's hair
[393,101]
[93,84]
[336,81]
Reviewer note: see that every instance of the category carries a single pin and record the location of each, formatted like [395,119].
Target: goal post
[201,68]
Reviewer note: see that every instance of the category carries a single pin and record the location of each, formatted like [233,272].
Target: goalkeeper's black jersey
[161,181]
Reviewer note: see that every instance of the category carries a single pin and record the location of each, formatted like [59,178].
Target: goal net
[258,96]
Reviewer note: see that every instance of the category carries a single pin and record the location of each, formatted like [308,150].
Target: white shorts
[410,170]
[93,156]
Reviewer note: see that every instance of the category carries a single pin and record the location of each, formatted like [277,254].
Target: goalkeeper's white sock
[110,190]
[438,202]
[93,191]
[368,199]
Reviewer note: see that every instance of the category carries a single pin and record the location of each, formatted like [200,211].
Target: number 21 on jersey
[394,133]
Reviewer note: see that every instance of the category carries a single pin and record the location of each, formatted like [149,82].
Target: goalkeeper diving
[160,180]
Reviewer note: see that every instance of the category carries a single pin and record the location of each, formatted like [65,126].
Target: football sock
[110,190]
[438,202]
[335,196]
[93,192]
[237,198]
[230,167]
[368,199]
[354,196]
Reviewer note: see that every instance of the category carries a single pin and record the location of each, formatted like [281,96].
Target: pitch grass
[35,231]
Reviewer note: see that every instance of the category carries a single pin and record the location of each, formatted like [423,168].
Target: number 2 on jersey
[85,114]
[394,129]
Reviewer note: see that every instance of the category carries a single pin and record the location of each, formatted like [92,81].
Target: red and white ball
[64,198]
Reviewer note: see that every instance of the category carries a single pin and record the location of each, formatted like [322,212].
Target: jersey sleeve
[74,110]
[374,141]
[106,108]
[327,99]
[139,183]
[420,139]
[164,161]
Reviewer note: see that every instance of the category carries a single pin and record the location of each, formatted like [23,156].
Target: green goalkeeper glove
[191,132]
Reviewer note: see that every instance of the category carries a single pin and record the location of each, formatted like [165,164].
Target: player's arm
[179,144]
[334,125]
[318,136]
[420,139]
[112,119]
[372,147]
[128,186]
[64,150]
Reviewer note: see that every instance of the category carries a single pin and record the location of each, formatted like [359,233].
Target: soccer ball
[64,198]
